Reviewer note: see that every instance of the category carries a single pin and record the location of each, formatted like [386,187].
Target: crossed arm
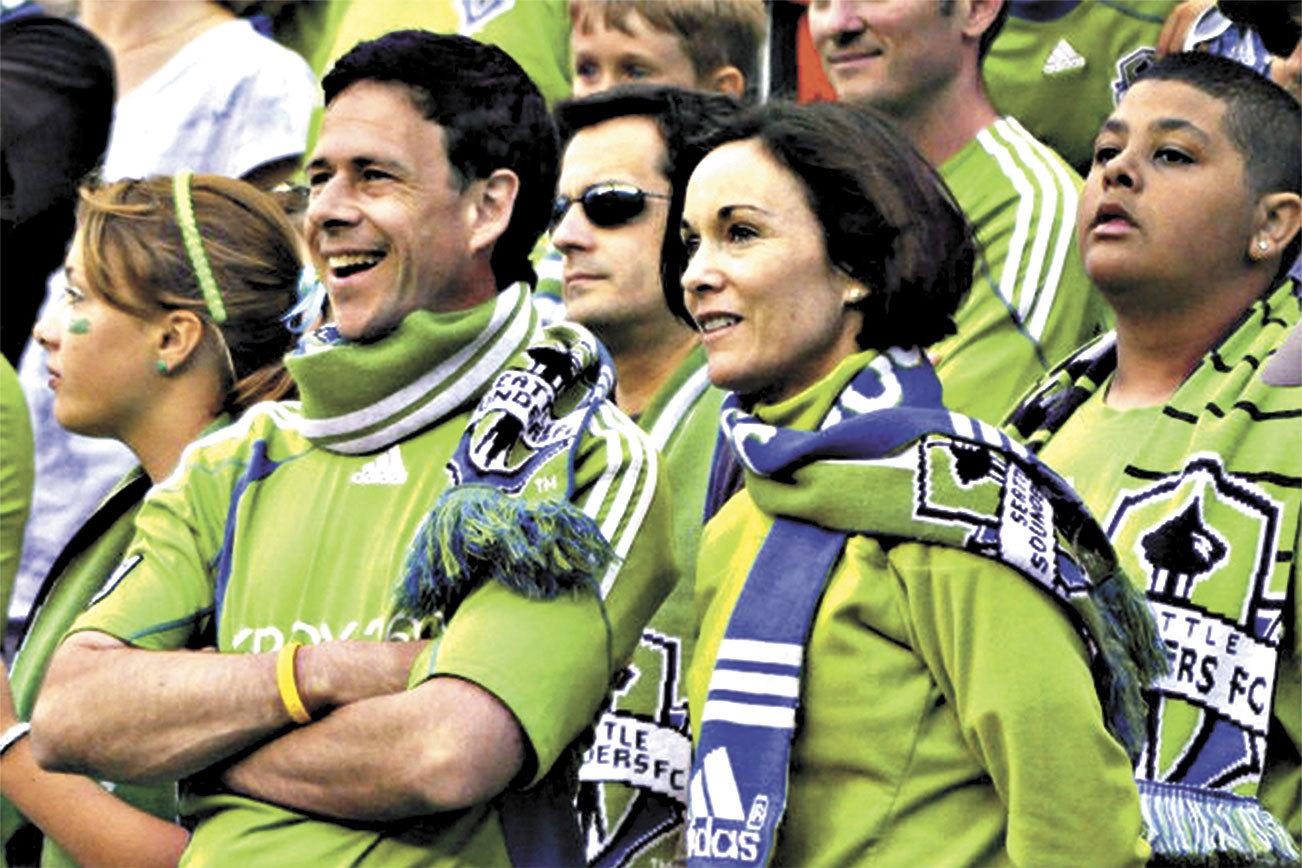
[380,753]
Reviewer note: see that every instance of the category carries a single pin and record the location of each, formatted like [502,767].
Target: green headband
[212,295]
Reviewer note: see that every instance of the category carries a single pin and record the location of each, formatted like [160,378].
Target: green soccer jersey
[536,33]
[1060,78]
[642,751]
[1132,501]
[263,536]
[1030,304]
[947,712]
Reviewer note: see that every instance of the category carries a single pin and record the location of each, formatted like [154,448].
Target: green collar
[359,398]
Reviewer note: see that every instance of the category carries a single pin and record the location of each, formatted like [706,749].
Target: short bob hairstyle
[888,219]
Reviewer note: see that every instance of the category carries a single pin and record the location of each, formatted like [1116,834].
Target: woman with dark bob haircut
[901,659]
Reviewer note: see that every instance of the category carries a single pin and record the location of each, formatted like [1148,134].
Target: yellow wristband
[288,684]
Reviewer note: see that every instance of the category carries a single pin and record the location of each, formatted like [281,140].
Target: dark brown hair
[888,219]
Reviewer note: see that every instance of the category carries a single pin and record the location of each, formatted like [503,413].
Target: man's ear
[980,15]
[178,336]
[726,80]
[1276,222]
[492,201]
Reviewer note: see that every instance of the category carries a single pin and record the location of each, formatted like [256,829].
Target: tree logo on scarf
[651,755]
[1203,541]
[1009,518]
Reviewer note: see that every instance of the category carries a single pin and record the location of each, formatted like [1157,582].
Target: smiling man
[919,61]
[622,181]
[1180,430]
[306,524]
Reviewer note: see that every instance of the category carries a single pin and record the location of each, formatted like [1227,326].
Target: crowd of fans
[497,433]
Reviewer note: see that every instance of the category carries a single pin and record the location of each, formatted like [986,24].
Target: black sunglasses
[605,205]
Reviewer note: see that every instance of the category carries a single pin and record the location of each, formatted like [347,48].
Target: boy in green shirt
[1186,447]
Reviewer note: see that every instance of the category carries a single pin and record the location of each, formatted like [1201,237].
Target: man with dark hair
[1180,431]
[622,183]
[1030,304]
[301,542]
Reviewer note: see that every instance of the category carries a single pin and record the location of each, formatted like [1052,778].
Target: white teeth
[351,259]
[714,323]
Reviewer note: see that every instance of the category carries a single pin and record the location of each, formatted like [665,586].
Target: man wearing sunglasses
[620,196]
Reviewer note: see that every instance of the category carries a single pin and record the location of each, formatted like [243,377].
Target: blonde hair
[133,256]
[714,33]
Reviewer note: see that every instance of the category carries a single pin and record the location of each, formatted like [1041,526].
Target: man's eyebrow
[1180,125]
[1120,127]
[358,162]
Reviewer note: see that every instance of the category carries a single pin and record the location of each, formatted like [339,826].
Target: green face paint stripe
[79,326]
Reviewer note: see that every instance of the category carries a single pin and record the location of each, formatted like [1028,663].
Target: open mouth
[716,321]
[1113,214]
[348,264]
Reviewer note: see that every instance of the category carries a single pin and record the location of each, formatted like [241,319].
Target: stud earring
[1263,245]
[856,295]
[161,367]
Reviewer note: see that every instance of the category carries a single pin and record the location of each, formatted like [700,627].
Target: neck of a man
[1158,349]
[940,127]
[642,367]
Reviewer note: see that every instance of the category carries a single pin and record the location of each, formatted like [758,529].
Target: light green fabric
[643,741]
[69,593]
[17,473]
[932,732]
[1030,303]
[1208,496]
[1058,77]
[318,539]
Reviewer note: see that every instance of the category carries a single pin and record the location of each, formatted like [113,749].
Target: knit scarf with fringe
[889,460]
[1206,519]
[536,390]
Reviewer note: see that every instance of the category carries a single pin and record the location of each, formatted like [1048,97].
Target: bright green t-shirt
[1092,449]
[260,537]
[1060,78]
[947,711]
[642,749]
[1031,303]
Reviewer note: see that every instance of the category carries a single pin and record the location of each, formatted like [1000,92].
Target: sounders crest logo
[1203,541]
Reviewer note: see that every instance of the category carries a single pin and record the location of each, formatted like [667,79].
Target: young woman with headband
[173,322]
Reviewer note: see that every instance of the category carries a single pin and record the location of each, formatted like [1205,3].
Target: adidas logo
[714,805]
[385,469]
[1063,58]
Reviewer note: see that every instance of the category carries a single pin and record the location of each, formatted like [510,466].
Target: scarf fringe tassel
[1190,826]
[1133,654]
[476,533]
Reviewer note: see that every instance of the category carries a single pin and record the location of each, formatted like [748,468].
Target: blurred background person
[1030,303]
